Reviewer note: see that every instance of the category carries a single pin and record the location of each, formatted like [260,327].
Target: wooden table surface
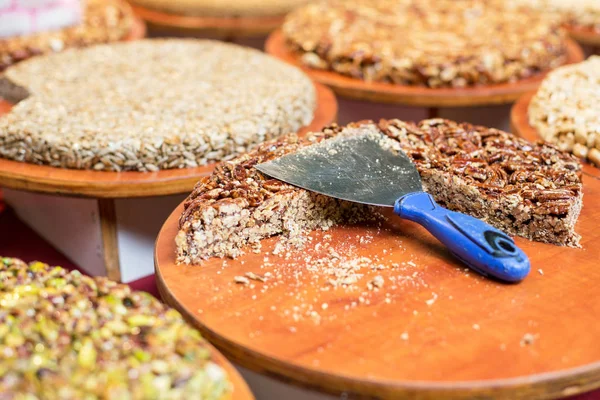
[433,331]
[412,95]
[103,184]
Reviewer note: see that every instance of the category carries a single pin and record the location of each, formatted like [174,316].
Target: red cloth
[19,241]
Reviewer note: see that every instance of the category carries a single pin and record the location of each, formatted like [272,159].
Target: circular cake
[151,104]
[565,109]
[219,8]
[67,336]
[432,43]
[103,21]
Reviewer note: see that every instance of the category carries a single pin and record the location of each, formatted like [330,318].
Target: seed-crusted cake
[525,189]
[220,8]
[151,104]
[68,336]
[433,43]
[565,110]
[103,21]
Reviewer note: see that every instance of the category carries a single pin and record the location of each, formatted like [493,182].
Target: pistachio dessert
[102,21]
[67,336]
[151,105]
[431,43]
[525,189]
[565,109]
[219,8]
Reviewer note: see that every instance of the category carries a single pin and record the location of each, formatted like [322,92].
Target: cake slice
[524,189]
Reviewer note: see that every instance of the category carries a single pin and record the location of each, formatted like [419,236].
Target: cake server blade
[364,169]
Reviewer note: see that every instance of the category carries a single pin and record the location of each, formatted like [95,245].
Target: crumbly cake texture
[579,13]
[433,43]
[151,104]
[565,109]
[103,21]
[220,8]
[524,189]
[67,336]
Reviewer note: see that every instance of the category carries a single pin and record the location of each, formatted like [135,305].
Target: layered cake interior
[67,336]
[525,189]
[432,43]
[151,105]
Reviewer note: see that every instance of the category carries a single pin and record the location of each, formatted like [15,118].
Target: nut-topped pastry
[565,110]
[68,336]
[579,13]
[432,43]
[151,104]
[103,21]
[219,8]
[524,189]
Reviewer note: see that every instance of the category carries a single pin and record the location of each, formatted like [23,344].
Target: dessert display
[58,26]
[151,105]
[433,43]
[525,189]
[217,8]
[565,109]
[68,336]
[580,13]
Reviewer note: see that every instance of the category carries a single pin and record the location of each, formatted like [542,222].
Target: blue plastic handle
[482,247]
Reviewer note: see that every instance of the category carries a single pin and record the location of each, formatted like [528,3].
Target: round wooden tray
[587,36]
[412,95]
[234,27]
[240,388]
[519,124]
[102,184]
[443,333]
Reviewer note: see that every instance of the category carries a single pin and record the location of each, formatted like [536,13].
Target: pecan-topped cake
[566,109]
[220,8]
[525,189]
[433,43]
[151,104]
[103,21]
[67,336]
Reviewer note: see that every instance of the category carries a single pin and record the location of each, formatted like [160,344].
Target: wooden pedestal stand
[441,102]
[107,222]
[433,331]
[519,122]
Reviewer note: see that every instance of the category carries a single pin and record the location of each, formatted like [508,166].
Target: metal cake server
[361,170]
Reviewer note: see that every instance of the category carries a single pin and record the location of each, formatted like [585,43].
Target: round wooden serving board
[584,35]
[240,388]
[232,26]
[442,333]
[412,95]
[519,125]
[103,184]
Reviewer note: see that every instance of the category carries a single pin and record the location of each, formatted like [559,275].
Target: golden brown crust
[104,21]
[433,43]
[220,8]
[525,189]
